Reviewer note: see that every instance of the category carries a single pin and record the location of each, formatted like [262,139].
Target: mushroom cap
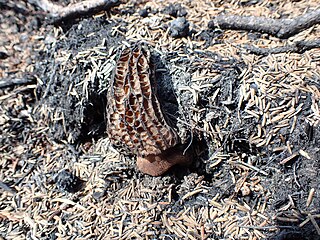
[135,122]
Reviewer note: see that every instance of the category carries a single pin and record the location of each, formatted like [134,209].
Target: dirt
[68,119]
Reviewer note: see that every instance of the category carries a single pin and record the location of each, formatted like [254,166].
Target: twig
[59,13]
[11,82]
[288,159]
[282,28]
[315,224]
[252,167]
[296,47]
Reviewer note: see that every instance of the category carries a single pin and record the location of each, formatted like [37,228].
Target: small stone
[182,12]
[3,55]
[211,25]
[179,27]
[143,13]
[98,194]
[245,190]
[67,182]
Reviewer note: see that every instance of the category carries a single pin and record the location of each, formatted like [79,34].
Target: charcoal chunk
[179,27]
[67,182]
[143,13]
[175,10]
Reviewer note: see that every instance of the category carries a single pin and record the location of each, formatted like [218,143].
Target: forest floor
[253,122]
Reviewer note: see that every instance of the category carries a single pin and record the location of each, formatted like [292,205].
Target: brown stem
[156,165]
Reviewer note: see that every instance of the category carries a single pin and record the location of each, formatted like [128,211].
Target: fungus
[135,122]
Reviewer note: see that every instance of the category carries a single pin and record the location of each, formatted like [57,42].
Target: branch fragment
[11,82]
[282,28]
[296,47]
[59,13]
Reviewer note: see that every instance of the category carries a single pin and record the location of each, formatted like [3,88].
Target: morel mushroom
[135,122]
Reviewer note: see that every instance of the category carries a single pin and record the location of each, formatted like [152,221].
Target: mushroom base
[156,165]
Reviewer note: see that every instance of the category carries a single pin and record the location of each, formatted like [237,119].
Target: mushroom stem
[156,165]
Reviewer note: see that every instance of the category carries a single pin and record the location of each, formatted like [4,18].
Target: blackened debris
[211,25]
[143,13]
[99,194]
[84,118]
[179,27]
[67,182]
[175,10]
[3,55]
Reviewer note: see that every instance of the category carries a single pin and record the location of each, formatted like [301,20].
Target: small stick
[252,167]
[314,222]
[11,82]
[284,161]
[296,47]
[281,28]
[287,219]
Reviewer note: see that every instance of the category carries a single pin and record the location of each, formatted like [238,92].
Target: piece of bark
[296,47]
[58,13]
[282,28]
